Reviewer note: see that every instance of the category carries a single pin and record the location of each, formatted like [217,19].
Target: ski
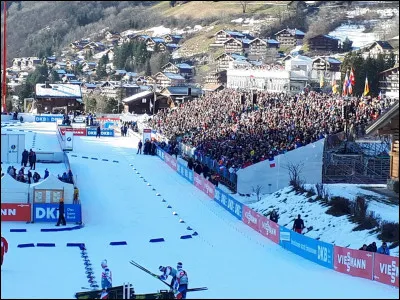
[148,272]
[197,289]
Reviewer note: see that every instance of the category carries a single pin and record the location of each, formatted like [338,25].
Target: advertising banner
[146,135]
[386,269]
[354,262]
[269,229]
[104,132]
[251,218]
[230,204]
[48,212]
[69,139]
[77,131]
[198,181]
[185,172]
[171,161]
[47,118]
[208,188]
[160,153]
[16,212]
[316,251]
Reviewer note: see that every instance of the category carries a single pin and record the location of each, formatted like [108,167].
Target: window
[144,100]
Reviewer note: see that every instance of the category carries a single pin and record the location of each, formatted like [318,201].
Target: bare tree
[295,170]
[244,5]
[257,191]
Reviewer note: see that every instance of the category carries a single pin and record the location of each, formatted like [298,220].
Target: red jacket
[4,246]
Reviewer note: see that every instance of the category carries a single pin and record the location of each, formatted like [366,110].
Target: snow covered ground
[327,228]
[118,205]
[354,33]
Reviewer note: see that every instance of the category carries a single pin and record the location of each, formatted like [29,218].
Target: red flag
[352,78]
[344,91]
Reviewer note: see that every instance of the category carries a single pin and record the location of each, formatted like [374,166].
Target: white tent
[53,183]
[13,191]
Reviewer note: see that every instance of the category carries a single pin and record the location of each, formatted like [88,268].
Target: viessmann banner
[20,212]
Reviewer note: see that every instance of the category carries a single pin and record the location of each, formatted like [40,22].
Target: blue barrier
[160,153]
[184,237]
[47,212]
[185,172]
[45,245]
[85,157]
[316,251]
[103,132]
[157,240]
[80,245]
[195,233]
[26,245]
[229,203]
[17,230]
[94,158]
[47,118]
[118,243]
[104,159]
[116,161]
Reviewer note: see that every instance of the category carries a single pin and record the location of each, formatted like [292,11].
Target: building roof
[385,119]
[58,91]
[90,85]
[180,91]
[391,69]
[234,33]
[326,36]
[212,87]
[237,56]
[173,76]
[271,41]
[184,66]
[384,45]
[137,96]
[120,72]
[291,31]
[131,74]
[61,71]
[158,39]
[172,45]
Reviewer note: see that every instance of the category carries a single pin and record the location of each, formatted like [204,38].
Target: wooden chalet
[326,64]
[290,37]
[389,82]
[223,35]
[180,94]
[379,47]
[58,97]
[165,79]
[224,59]
[146,102]
[324,42]
[233,46]
[183,69]
[172,38]
[153,42]
[388,124]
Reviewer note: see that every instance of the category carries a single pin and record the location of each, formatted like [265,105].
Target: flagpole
[277,178]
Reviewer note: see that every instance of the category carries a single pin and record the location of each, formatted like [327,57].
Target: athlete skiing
[167,271]
[106,276]
[180,285]
[4,248]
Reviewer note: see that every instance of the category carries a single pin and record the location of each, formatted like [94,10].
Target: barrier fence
[368,265]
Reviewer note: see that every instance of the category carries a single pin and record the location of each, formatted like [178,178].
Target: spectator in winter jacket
[190,164]
[198,168]
[98,131]
[298,224]
[364,247]
[36,177]
[139,147]
[25,155]
[46,173]
[29,177]
[384,249]
[32,159]
[372,247]
[76,195]
[274,216]
[4,248]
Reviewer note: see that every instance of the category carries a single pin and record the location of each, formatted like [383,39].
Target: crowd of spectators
[236,130]
[67,177]
[384,249]
[21,176]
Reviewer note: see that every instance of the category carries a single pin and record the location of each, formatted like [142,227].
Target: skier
[181,282]
[106,276]
[4,248]
[166,272]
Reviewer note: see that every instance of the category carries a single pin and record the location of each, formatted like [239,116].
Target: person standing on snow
[167,271]
[181,283]
[4,248]
[106,276]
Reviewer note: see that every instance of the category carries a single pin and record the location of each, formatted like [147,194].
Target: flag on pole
[334,86]
[366,87]
[151,105]
[380,95]
[344,90]
[351,82]
[271,162]
[321,81]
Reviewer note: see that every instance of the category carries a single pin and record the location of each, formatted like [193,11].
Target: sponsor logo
[238,209]
[15,212]
[285,236]
[322,253]
[198,181]
[69,139]
[250,218]
[46,213]
[391,270]
[231,205]
[350,262]
[268,229]
[9,212]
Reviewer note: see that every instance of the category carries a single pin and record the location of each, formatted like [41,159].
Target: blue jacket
[383,250]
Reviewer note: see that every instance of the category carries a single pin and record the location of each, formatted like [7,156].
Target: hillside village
[284,62]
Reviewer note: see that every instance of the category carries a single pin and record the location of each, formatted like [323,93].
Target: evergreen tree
[148,68]
[347,45]
[55,77]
